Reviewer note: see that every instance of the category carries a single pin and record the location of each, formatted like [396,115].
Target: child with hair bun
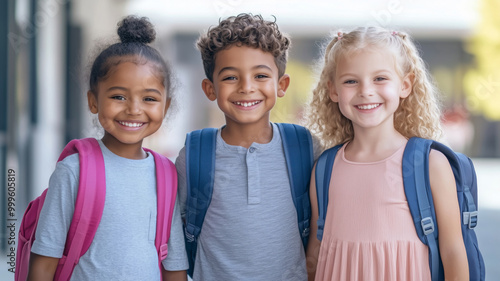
[130,91]
[374,93]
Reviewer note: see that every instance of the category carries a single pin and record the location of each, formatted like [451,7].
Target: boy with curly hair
[252,229]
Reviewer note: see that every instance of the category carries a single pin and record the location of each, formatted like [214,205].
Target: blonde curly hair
[417,115]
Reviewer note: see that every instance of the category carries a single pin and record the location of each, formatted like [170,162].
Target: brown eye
[229,78]
[118,97]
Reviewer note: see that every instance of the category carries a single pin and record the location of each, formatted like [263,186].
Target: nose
[366,89]
[134,107]
[246,85]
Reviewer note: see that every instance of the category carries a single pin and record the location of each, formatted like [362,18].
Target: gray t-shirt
[250,231]
[124,245]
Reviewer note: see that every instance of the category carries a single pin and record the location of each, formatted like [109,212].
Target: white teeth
[246,104]
[368,106]
[129,124]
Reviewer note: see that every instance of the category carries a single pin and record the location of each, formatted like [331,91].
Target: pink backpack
[89,206]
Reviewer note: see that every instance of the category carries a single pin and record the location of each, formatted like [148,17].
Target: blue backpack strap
[419,197]
[469,207]
[200,169]
[322,176]
[470,192]
[466,183]
[465,177]
[298,149]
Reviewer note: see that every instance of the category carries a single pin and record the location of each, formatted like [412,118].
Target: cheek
[343,108]
[160,111]
[342,105]
[345,101]
[273,87]
[107,109]
[344,96]
[392,89]
[220,102]
[105,122]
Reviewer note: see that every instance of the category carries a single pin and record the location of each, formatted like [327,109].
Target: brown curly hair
[244,30]
[417,115]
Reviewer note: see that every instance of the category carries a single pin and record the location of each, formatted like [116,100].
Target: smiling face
[245,84]
[368,88]
[131,103]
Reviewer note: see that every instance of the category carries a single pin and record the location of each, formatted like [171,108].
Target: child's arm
[451,245]
[313,244]
[173,275]
[42,268]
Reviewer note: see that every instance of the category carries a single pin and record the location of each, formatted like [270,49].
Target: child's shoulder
[66,173]
[438,162]
[70,163]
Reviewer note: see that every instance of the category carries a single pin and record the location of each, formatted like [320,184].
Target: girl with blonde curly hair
[374,93]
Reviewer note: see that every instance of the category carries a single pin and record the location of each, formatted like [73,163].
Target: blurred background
[48,47]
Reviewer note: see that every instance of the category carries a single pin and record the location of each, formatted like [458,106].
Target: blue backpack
[200,169]
[419,197]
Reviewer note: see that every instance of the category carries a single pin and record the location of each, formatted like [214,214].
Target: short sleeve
[58,208]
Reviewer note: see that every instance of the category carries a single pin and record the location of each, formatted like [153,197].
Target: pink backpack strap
[166,189]
[26,236]
[89,203]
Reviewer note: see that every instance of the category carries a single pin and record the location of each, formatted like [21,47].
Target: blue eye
[349,82]
[229,78]
[380,79]
[261,76]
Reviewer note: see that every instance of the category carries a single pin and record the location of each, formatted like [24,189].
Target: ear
[407,85]
[283,84]
[92,102]
[332,92]
[209,89]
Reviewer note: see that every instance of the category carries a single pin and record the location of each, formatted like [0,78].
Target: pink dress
[369,233]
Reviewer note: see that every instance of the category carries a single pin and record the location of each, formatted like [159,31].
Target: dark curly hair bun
[133,29]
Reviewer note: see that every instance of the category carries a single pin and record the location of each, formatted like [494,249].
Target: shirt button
[252,149]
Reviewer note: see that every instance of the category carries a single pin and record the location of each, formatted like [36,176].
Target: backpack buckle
[163,251]
[470,219]
[190,238]
[305,226]
[427,225]
[305,232]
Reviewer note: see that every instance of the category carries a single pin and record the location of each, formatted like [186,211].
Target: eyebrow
[127,90]
[235,69]
[377,72]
